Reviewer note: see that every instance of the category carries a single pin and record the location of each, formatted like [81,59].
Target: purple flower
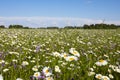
[37,48]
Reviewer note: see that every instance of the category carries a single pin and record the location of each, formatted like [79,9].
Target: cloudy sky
[42,13]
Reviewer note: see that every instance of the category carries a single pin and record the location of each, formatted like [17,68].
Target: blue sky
[58,12]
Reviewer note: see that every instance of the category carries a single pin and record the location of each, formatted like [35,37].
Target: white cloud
[50,21]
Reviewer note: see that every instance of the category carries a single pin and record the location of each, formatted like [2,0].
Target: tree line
[91,26]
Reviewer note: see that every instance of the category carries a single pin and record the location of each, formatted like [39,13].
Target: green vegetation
[59,54]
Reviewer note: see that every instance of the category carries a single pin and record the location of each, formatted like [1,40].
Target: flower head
[98,76]
[1,77]
[36,74]
[71,58]
[105,78]
[19,79]
[49,78]
[47,71]
[101,62]
[74,52]
[57,69]
[24,63]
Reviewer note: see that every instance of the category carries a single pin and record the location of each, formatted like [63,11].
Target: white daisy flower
[19,79]
[47,71]
[101,62]
[91,73]
[24,63]
[57,69]
[35,69]
[56,54]
[98,76]
[1,77]
[36,74]
[111,76]
[71,58]
[5,70]
[49,78]
[64,55]
[105,78]
[74,52]
[2,61]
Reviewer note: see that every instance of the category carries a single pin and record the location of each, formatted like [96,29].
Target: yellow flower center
[65,55]
[105,79]
[101,60]
[47,71]
[71,59]
[36,75]
[49,78]
[99,77]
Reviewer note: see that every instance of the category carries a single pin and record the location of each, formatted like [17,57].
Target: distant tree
[86,26]
[2,26]
[100,26]
[53,27]
[15,26]
[69,27]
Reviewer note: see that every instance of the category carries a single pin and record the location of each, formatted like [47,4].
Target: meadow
[59,54]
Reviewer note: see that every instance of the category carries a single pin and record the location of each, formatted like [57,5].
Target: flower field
[59,54]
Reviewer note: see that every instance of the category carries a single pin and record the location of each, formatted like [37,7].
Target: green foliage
[101,26]
[15,26]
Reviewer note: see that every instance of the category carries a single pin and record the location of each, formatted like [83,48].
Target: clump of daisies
[74,57]
[45,74]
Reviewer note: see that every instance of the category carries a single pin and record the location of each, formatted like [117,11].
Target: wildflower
[32,61]
[57,69]
[117,70]
[101,62]
[98,76]
[19,79]
[1,77]
[91,69]
[5,70]
[49,78]
[74,52]
[105,78]
[16,53]
[47,71]
[35,69]
[36,75]
[109,70]
[37,48]
[64,55]
[91,73]
[89,43]
[111,76]
[72,65]
[56,54]
[2,61]
[24,63]
[6,63]
[71,58]
[14,60]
